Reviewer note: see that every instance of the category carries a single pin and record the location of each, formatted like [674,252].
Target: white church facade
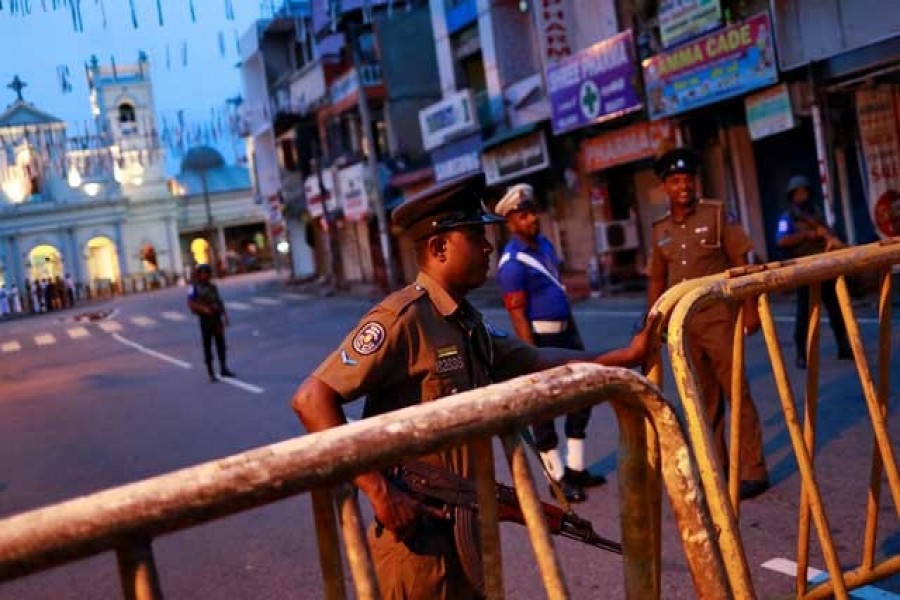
[100,207]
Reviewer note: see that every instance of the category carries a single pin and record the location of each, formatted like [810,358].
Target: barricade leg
[358,554]
[804,462]
[137,570]
[530,504]
[884,382]
[879,421]
[329,546]
[809,430]
[486,482]
[639,505]
[737,400]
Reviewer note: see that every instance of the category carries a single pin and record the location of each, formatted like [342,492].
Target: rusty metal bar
[639,542]
[876,414]
[857,578]
[541,541]
[137,571]
[809,429]
[358,555]
[737,401]
[704,452]
[873,501]
[329,546]
[488,519]
[804,462]
[105,520]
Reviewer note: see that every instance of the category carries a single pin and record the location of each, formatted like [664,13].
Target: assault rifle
[443,493]
[832,242]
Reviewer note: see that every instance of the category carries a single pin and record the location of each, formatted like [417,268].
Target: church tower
[125,117]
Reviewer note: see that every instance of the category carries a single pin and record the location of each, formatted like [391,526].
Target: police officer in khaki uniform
[419,344]
[694,239]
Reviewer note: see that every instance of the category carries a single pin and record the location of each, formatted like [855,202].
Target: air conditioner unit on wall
[616,236]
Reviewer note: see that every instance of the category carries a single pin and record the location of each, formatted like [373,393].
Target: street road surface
[86,406]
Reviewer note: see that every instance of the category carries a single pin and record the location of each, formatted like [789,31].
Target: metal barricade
[127,519]
[759,281]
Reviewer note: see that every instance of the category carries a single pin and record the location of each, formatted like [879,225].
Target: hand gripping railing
[759,281]
[127,518]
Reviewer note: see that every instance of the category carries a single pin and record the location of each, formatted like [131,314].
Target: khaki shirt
[418,345]
[705,242]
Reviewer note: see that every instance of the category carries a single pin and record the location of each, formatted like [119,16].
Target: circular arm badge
[370,338]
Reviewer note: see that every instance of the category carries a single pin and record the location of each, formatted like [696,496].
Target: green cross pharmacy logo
[590,100]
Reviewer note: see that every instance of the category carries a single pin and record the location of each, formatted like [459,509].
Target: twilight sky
[36,45]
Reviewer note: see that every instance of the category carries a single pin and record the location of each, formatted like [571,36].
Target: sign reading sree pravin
[594,85]
[454,115]
[770,112]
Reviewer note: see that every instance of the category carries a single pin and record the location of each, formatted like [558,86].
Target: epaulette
[398,301]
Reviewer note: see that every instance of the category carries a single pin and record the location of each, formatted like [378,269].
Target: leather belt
[549,327]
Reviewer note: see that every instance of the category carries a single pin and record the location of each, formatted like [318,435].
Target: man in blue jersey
[540,313]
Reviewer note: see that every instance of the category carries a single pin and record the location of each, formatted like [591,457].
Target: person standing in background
[541,315]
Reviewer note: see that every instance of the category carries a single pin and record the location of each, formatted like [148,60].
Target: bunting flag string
[184,54]
[222,44]
[229,10]
[159,12]
[77,22]
[62,73]
[134,20]
[193,12]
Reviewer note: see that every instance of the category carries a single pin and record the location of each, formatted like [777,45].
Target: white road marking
[173,316]
[789,567]
[265,301]
[10,347]
[143,321]
[110,326]
[76,333]
[169,359]
[44,339]
[237,305]
[296,296]
[247,387]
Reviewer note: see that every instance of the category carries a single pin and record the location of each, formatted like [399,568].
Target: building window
[126,113]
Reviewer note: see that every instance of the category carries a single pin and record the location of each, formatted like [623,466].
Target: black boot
[584,479]
[226,372]
[211,373]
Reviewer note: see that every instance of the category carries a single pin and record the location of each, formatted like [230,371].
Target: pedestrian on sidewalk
[205,302]
[802,232]
[419,344]
[539,309]
[695,238]
[70,290]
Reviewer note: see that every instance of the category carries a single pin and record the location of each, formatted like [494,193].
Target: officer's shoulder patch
[398,301]
[495,332]
[369,338]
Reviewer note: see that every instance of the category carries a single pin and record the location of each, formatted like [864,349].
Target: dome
[201,158]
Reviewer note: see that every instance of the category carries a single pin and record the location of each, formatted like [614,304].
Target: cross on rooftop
[16,86]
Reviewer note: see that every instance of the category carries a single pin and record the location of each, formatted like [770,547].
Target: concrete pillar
[120,251]
[76,265]
[16,259]
[220,243]
[174,246]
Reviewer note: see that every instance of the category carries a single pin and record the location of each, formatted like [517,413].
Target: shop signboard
[770,111]
[454,115]
[730,62]
[625,145]
[355,190]
[682,20]
[879,131]
[521,156]
[595,85]
[459,158]
[315,200]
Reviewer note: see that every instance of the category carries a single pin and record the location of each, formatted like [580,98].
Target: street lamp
[200,160]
